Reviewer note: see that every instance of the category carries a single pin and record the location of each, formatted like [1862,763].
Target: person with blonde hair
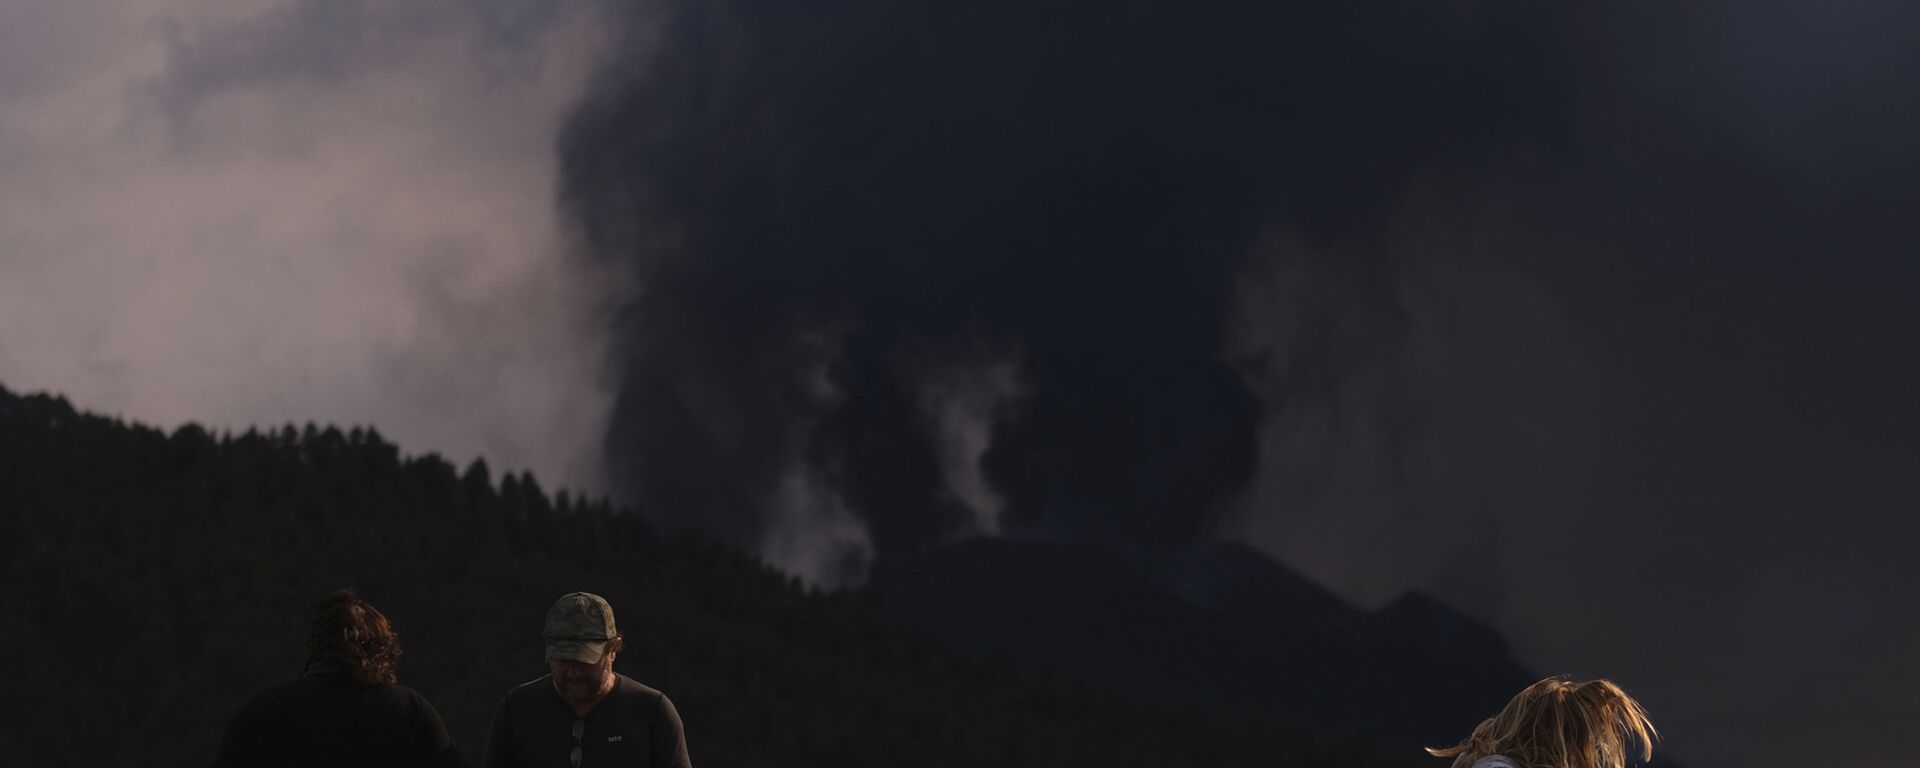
[1559,722]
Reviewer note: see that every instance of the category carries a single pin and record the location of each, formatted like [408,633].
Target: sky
[1595,322]
[243,213]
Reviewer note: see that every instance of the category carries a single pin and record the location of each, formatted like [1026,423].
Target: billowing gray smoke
[940,268]
[1595,319]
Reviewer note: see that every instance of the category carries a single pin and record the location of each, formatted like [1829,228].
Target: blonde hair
[1561,723]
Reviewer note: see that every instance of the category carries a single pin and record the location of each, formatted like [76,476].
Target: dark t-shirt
[633,727]
[326,719]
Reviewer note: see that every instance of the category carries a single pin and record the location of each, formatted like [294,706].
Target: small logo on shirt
[615,738]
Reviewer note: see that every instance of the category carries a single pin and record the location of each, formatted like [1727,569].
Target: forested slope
[152,581]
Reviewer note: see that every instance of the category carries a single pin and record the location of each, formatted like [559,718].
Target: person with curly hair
[1559,722]
[346,708]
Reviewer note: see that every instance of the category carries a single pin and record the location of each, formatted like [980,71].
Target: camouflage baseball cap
[579,626]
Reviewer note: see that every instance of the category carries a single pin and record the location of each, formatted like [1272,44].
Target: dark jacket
[633,727]
[324,718]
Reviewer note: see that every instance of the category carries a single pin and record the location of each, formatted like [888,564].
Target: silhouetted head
[1561,723]
[350,632]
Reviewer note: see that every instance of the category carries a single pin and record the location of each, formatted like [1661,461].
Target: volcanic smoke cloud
[1593,319]
[910,272]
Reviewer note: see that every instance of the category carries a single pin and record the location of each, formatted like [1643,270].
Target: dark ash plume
[835,212]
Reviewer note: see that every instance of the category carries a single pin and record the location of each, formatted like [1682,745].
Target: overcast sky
[1637,386]
[239,213]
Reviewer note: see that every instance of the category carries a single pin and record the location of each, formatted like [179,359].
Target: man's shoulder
[631,688]
[408,697]
[537,687]
[532,698]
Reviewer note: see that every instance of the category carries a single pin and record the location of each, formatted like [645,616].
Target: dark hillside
[152,581]
[1220,628]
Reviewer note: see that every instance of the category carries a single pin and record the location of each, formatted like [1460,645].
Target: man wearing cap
[584,713]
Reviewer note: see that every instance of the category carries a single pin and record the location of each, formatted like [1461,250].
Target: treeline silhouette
[153,581]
